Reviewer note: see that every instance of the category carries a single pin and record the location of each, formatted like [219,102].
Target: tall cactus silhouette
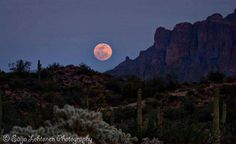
[139,113]
[216,117]
[39,66]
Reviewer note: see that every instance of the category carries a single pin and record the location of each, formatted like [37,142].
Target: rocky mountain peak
[231,17]
[215,17]
[183,26]
[190,51]
[160,33]
[127,58]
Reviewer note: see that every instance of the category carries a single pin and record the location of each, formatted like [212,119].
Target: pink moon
[102,51]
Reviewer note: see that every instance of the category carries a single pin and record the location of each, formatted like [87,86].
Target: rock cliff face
[189,51]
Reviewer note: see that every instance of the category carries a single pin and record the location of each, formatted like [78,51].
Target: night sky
[66,31]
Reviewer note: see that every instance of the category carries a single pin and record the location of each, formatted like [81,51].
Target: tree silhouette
[20,66]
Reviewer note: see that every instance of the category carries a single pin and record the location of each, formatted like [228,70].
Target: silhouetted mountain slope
[189,51]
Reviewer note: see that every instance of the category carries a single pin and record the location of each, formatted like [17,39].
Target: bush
[20,66]
[215,77]
[54,66]
[75,122]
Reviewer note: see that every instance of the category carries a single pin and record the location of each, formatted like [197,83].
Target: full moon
[102,51]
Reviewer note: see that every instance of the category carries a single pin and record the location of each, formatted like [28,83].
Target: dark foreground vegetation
[161,109]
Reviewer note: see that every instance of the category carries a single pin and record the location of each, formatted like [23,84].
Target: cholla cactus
[153,141]
[79,122]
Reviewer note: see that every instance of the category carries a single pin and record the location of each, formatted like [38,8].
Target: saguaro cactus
[39,70]
[139,113]
[216,117]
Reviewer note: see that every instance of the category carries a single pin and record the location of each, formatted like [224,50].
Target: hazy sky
[66,31]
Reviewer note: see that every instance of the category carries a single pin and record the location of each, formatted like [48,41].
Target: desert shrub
[54,66]
[114,84]
[76,122]
[20,66]
[188,124]
[115,99]
[85,69]
[189,104]
[230,79]
[185,131]
[131,86]
[10,116]
[229,93]
[73,95]
[215,77]
[171,80]
[153,86]
[123,114]
[2,72]
[151,128]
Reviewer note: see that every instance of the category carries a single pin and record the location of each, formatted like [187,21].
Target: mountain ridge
[189,51]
